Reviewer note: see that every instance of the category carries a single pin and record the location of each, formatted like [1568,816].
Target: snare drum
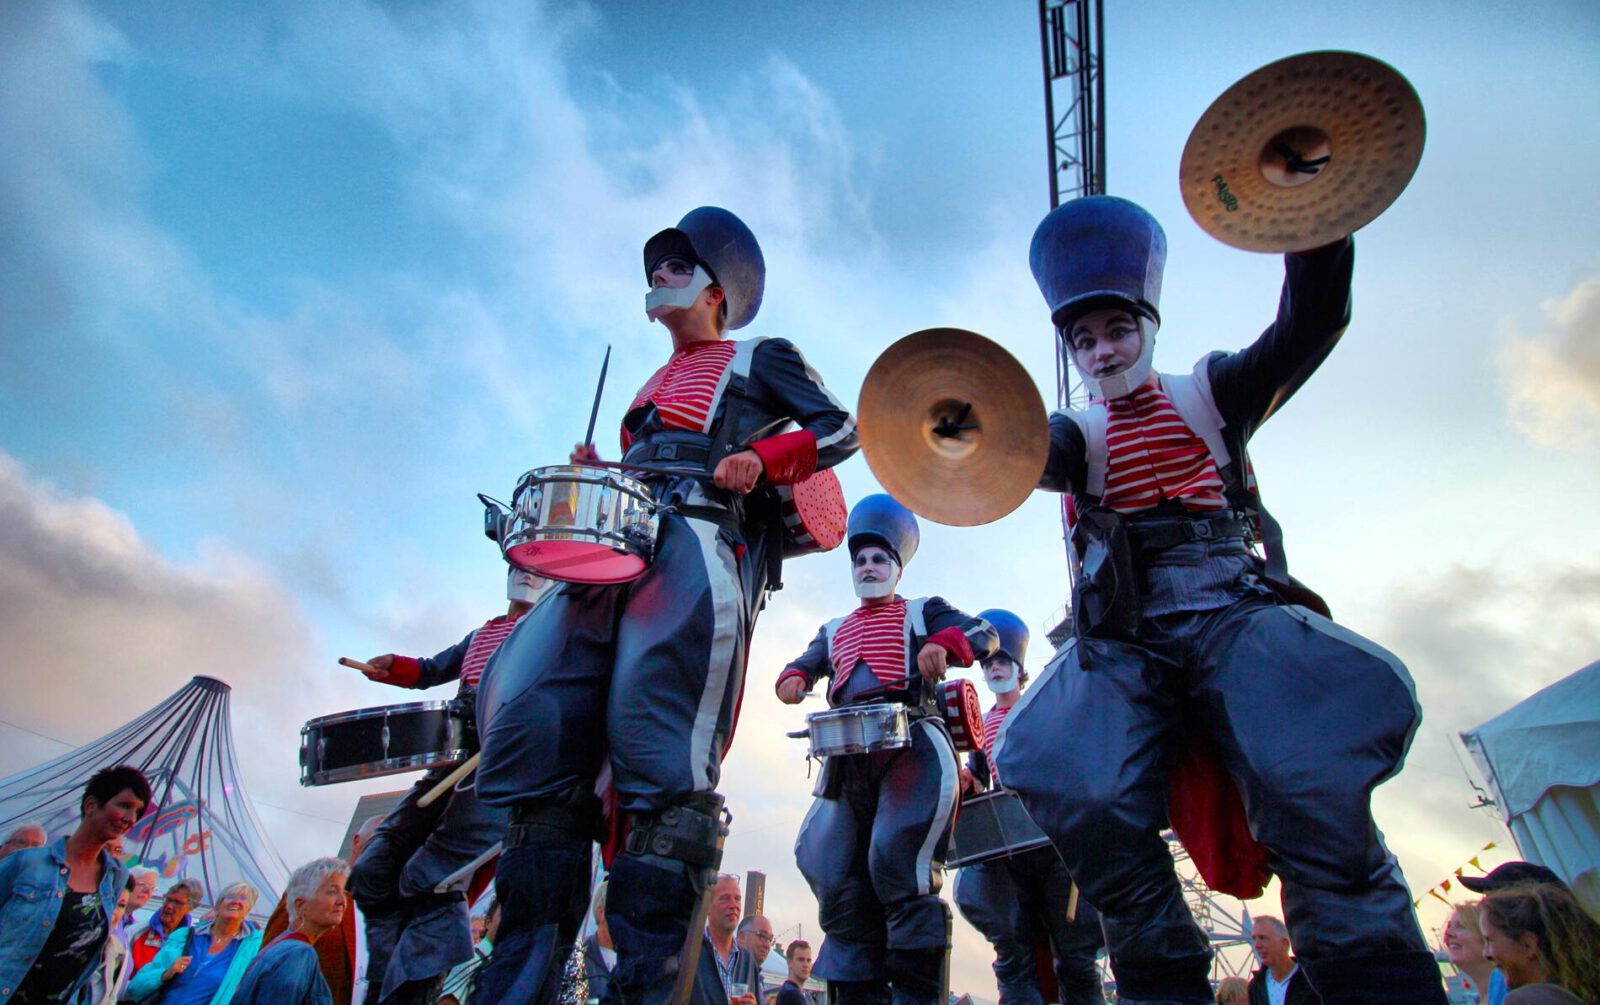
[581,525]
[958,700]
[992,825]
[371,742]
[858,729]
[814,515]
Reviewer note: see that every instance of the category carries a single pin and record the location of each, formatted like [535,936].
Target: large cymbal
[953,426]
[1302,152]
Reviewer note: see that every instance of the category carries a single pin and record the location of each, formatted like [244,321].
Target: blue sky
[281,290]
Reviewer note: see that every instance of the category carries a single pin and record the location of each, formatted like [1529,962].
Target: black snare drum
[371,742]
[992,825]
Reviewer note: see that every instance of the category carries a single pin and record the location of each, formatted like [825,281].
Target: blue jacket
[148,980]
[33,884]
[286,973]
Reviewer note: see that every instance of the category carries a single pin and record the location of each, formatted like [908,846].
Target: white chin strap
[666,299]
[874,591]
[526,587]
[1119,384]
[1006,685]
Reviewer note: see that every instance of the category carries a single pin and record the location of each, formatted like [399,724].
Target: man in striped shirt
[872,848]
[642,679]
[1020,903]
[414,935]
[1196,656]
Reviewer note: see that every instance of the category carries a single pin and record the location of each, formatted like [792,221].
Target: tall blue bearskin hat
[879,520]
[716,239]
[1012,631]
[1101,252]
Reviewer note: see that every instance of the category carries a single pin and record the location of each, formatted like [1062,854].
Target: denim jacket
[33,885]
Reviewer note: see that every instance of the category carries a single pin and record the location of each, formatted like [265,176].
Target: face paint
[526,587]
[874,573]
[1001,675]
[1126,380]
[666,299]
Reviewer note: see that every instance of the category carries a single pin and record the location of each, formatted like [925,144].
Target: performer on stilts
[1192,651]
[415,934]
[1023,901]
[873,845]
[646,675]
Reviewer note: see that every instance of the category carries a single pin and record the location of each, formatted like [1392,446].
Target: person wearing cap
[872,847]
[1197,656]
[1023,900]
[642,679]
[416,933]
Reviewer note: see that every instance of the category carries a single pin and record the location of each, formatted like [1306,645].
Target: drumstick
[449,781]
[346,661]
[1072,904]
[588,436]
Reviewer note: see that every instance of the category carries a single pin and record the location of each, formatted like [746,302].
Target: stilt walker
[873,845]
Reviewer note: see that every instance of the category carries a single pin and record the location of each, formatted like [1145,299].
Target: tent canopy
[1541,758]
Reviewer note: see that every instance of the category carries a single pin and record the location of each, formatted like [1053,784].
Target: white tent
[1541,758]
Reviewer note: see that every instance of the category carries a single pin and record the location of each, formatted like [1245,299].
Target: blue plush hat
[1095,252]
[878,519]
[715,238]
[1013,633]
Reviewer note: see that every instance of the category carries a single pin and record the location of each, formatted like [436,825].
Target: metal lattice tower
[1072,41]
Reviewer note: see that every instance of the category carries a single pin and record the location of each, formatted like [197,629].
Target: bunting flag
[1443,887]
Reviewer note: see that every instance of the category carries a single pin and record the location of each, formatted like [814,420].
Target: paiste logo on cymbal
[1227,198]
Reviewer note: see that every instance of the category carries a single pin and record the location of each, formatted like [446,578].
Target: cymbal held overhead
[953,426]
[1302,152]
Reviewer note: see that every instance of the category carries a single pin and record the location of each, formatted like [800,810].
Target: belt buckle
[1199,530]
[667,452]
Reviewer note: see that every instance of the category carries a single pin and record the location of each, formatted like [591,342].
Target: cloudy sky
[282,289]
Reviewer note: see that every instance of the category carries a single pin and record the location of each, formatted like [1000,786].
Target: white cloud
[1552,377]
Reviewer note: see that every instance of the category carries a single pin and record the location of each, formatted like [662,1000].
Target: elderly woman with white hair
[286,972]
[204,964]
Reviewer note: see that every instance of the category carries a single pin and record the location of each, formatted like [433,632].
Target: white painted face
[1001,674]
[526,587]
[875,573]
[675,285]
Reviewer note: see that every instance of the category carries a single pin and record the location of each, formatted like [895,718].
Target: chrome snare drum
[581,524]
[371,742]
[858,729]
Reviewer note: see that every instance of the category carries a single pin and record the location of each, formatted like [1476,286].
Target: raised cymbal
[953,426]
[1302,152]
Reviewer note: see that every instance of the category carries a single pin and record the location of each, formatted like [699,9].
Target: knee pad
[691,832]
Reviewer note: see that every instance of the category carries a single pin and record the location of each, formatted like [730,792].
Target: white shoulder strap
[1092,423]
[738,369]
[828,631]
[1190,394]
[914,617]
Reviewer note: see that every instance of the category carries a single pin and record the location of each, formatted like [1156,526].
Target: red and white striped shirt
[1151,455]
[682,391]
[875,634]
[484,642]
[991,731]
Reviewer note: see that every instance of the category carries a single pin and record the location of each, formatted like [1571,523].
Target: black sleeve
[814,663]
[1313,312]
[790,995]
[981,638]
[443,666]
[1066,468]
[797,390]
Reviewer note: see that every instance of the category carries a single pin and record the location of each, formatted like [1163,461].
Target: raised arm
[1313,311]
[412,672]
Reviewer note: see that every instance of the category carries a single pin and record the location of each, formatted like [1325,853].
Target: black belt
[680,453]
[1157,535]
